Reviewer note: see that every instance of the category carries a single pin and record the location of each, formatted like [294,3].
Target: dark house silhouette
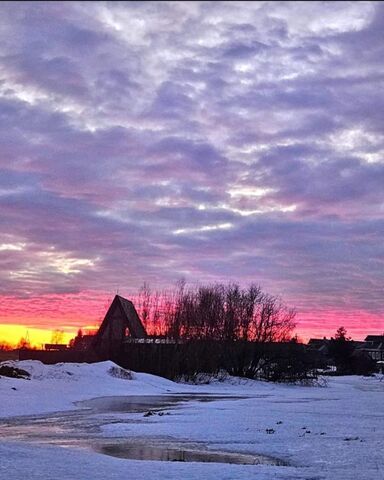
[121,321]
[55,346]
[374,347]
[371,348]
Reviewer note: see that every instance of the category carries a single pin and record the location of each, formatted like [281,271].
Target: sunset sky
[212,141]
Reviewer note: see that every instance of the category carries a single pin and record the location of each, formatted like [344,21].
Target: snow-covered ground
[331,432]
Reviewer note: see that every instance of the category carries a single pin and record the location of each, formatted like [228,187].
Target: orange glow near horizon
[11,334]
[40,316]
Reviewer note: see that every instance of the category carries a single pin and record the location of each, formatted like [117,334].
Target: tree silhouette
[23,344]
[341,349]
[57,336]
[341,335]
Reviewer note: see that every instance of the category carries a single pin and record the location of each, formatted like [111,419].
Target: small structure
[82,342]
[120,322]
[318,348]
[56,347]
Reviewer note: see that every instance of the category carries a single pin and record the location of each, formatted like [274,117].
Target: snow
[330,432]
[57,387]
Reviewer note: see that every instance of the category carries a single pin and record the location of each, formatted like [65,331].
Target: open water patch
[173,453]
[143,403]
[81,429]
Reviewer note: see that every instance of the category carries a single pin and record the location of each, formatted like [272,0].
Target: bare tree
[218,326]
[23,344]
[5,346]
[218,312]
[57,336]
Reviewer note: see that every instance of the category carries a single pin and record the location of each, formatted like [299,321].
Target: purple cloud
[211,141]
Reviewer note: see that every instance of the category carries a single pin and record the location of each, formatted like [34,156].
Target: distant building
[372,348]
[373,345]
[82,342]
[55,347]
[319,350]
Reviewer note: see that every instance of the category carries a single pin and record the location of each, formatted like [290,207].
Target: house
[323,351]
[373,345]
[120,322]
[319,345]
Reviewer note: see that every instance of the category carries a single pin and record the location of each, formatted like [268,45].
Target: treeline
[216,312]
[213,328]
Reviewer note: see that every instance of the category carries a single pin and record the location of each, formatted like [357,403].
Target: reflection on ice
[81,429]
[173,454]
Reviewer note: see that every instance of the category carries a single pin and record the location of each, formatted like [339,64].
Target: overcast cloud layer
[214,141]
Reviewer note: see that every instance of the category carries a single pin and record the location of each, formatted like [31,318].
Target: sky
[205,141]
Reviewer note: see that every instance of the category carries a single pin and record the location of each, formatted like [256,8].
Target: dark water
[81,429]
[138,403]
[178,454]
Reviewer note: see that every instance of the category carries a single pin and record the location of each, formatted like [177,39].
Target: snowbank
[56,387]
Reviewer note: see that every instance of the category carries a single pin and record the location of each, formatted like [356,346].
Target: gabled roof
[318,341]
[374,338]
[134,324]
[373,346]
[127,314]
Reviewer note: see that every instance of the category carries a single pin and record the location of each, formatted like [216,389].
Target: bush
[118,372]
[13,372]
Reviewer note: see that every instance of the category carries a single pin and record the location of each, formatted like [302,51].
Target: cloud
[206,140]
